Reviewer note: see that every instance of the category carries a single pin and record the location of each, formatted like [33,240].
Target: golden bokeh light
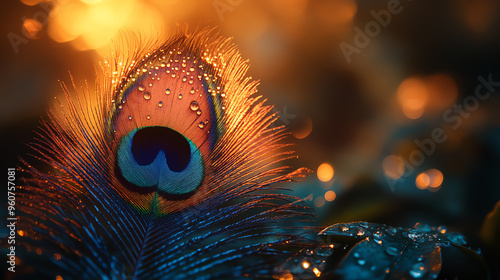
[304,130]
[305,265]
[325,172]
[393,166]
[431,94]
[436,178]
[32,28]
[319,202]
[412,96]
[478,15]
[287,276]
[330,196]
[422,181]
[31,2]
[68,22]
[317,272]
[92,24]
[430,179]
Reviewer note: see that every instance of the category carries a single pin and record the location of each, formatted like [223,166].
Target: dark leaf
[393,253]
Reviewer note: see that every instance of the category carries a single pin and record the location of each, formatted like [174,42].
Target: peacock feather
[166,170]
[169,169]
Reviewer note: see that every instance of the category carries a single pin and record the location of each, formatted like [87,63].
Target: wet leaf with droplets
[387,252]
[309,263]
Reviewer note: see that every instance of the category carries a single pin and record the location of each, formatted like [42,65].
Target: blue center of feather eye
[162,158]
[148,142]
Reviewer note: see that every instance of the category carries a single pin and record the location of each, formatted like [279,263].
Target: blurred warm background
[364,109]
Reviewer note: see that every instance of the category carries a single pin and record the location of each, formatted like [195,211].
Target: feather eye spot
[147,143]
[202,79]
[162,158]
